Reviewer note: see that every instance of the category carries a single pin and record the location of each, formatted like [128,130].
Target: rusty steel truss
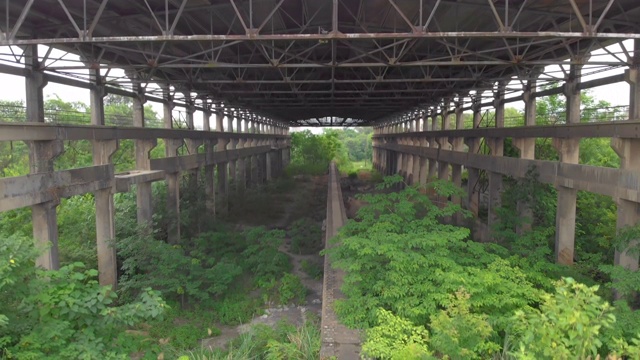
[313,62]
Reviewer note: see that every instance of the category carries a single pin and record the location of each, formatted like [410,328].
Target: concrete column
[527,147]
[43,216]
[415,172]
[172,178]
[35,81]
[569,150]
[458,145]
[255,166]
[209,170]
[103,151]
[241,181]
[105,217]
[407,165]
[473,191]
[434,119]
[443,143]
[628,150]
[41,157]
[250,159]
[497,149]
[628,211]
[222,168]
[424,168]
[231,146]
[192,144]
[142,148]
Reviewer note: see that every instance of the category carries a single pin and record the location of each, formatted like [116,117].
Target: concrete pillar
[458,145]
[415,172]
[628,150]
[241,180]
[209,170]
[103,151]
[497,149]
[41,157]
[192,144]
[43,216]
[173,178]
[223,184]
[424,169]
[35,81]
[568,150]
[255,166]
[407,165]
[628,211]
[231,146]
[473,185]
[527,147]
[142,148]
[443,142]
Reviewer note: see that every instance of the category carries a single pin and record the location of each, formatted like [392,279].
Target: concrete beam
[48,132]
[40,188]
[606,181]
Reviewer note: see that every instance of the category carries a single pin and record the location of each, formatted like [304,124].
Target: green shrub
[262,257]
[568,325]
[306,237]
[313,269]
[63,314]
[153,263]
[291,290]
[396,338]
[236,309]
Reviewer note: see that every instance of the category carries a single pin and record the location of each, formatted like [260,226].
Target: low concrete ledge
[124,181]
[614,129]
[612,182]
[337,340]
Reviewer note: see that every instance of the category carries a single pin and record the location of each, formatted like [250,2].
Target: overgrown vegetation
[170,297]
[423,289]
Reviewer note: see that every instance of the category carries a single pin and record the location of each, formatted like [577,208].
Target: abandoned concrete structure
[408,68]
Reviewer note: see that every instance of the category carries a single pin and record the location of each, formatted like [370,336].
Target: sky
[13,87]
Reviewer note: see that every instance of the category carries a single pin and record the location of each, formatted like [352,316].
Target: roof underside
[321,62]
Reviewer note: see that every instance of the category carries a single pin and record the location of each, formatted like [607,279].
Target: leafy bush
[396,338]
[235,310]
[291,290]
[401,258]
[306,237]
[313,269]
[156,264]
[262,257]
[568,325]
[62,314]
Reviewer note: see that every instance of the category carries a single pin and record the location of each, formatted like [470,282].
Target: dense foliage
[423,288]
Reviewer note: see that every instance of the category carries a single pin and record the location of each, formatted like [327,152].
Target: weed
[291,289]
[306,237]
[313,269]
